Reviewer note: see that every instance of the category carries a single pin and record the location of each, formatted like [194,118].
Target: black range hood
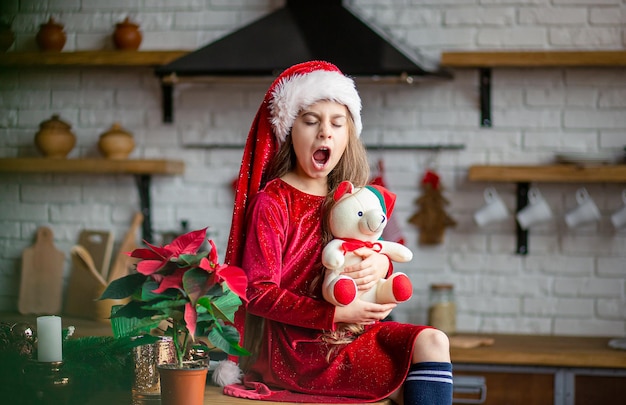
[302,30]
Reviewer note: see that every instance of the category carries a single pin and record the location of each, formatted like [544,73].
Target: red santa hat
[296,88]
[386,197]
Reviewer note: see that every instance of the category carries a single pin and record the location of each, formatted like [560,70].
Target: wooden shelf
[91,166]
[557,173]
[560,173]
[493,59]
[105,58]
[143,169]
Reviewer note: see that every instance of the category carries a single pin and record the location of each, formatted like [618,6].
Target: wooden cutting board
[99,244]
[84,287]
[41,284]
[123,263]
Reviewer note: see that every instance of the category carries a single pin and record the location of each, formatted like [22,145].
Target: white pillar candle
[49,337]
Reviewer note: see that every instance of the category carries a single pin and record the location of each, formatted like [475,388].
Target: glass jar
[442,308]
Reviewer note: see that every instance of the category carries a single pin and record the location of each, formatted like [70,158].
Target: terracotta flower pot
[182,385]
[54,138]
[51,36]
[116,143]
[127,35]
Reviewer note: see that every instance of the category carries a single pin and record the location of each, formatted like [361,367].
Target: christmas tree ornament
[431,218]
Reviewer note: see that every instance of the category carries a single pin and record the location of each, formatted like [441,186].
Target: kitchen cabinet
[557,173]
[484,61]
[142,169]
[559,370]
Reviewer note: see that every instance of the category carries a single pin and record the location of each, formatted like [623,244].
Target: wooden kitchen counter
[213,396]
[538,350]
[83,327]
[521,350]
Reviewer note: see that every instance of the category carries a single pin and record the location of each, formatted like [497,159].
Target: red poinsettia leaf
[213,258]
[191,317]
[162,250]
[187,243]
[148,267]
[146,254]
[174,280]
[205,264]
[235,278]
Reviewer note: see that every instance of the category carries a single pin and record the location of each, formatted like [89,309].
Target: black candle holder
[47,383]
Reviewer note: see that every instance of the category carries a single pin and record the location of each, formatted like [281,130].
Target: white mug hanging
[586,211]
[618,219]
[494,210]
[538,210]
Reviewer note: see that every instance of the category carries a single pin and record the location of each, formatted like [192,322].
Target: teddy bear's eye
[360,213]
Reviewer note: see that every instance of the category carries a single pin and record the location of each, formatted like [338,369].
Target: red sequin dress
[282,259]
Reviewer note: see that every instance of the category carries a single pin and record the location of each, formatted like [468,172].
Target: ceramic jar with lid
[55,138]
[127,35]
[116,143]
[51,36]
[442,308]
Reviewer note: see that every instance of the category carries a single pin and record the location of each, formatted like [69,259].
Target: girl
[303,142]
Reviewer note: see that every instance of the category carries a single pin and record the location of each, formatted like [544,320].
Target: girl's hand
[372,268]
[362,312]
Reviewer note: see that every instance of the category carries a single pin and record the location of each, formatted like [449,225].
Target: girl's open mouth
[321,157]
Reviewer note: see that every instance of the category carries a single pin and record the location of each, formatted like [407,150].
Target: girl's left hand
[372,268]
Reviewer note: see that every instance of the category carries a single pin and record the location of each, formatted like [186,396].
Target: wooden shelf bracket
[143,188]
[167,94]
[485,97]
[522,234]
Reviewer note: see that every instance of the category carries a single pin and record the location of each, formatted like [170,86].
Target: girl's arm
[270,292]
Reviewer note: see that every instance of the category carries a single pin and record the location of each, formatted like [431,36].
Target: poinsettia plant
[190,290]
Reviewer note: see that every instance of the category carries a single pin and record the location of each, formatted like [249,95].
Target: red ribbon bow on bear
[350,245]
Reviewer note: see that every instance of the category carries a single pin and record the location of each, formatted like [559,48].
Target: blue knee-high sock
[429,383]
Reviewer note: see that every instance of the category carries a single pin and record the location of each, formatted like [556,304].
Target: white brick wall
[573,281]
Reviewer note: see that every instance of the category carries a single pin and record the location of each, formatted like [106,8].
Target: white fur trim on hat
[298,91]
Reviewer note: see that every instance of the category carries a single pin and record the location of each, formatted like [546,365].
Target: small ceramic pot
[51,36]
[127,35]
[116,143]
[54,138]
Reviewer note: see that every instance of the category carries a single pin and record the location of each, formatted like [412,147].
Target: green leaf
[123,287]
[134,309]
[196,282]
[226,306]
[150,285]
[185,260]
[165,303]
[145,325]
[226,338]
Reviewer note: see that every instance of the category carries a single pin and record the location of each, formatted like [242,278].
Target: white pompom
[227,372]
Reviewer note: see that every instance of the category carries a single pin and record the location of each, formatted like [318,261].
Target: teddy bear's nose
[374,222]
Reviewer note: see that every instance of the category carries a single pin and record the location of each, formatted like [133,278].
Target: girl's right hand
[362,312]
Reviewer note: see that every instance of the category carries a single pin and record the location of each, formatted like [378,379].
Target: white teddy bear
[357,219]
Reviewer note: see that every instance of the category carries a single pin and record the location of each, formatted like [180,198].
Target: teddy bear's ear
[345,187]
